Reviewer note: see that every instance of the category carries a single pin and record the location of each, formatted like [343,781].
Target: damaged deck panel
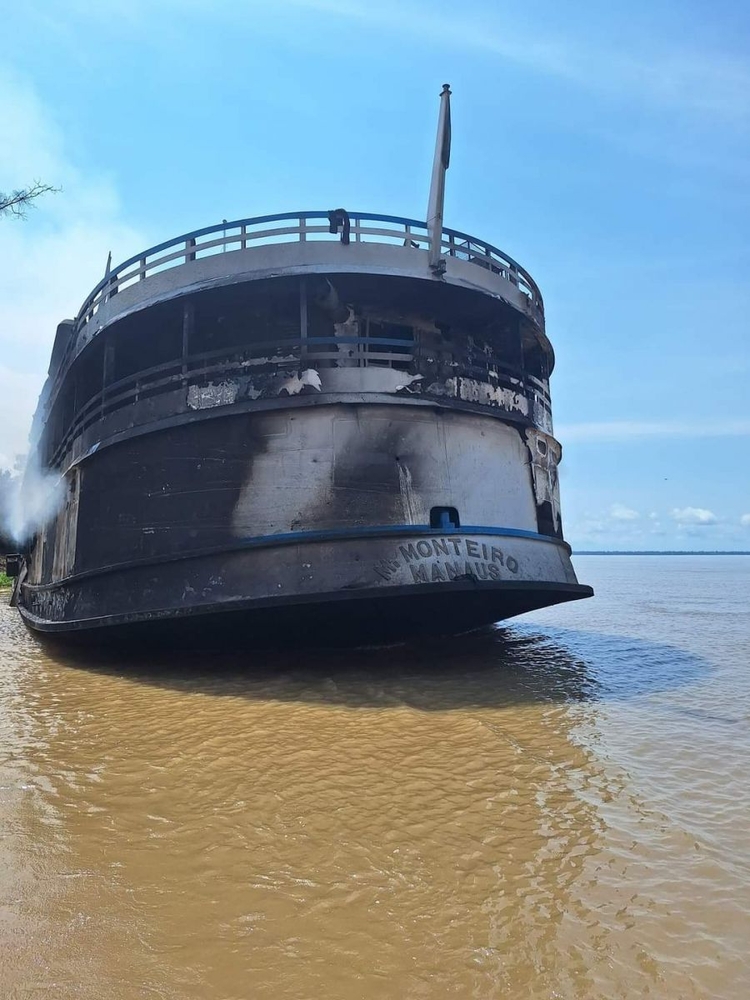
[264,335]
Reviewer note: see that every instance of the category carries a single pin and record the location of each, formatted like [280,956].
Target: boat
[321,424]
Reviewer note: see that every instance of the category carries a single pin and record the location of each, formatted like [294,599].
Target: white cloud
[697,516]
[619,512]
[49,262]
[714,85]
[626,430]
[745,520]
[652,71]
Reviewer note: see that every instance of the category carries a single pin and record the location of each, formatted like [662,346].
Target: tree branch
[18,202]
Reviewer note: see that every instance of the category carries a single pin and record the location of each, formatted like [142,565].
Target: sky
[604,146]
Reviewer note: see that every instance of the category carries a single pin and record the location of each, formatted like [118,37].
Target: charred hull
[364,585]
[339,619]
[304,436]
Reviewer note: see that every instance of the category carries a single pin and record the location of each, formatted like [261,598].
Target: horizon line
[661,552]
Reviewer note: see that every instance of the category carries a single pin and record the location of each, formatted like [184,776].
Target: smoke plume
[31,496]
[30,499]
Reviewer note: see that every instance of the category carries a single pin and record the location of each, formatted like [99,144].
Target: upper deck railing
[300,227]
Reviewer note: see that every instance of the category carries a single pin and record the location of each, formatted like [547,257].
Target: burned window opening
[380,329]
[546,520]
[536,360]
[89,373]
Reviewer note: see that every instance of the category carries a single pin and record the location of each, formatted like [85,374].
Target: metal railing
[278,355]
[198,369]
[293,227]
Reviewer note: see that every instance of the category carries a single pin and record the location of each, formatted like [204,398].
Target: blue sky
[605,146]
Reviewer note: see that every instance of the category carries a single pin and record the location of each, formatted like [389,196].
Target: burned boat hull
[304,436]
[338,619]
[358,585]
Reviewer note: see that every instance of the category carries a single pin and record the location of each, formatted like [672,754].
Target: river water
[556,809]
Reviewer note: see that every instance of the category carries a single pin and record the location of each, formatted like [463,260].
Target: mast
[437,185]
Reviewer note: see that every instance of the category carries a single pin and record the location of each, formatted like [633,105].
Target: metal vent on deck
[444,518]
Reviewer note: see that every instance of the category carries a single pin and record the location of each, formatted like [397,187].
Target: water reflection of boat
[492,668]
[331,421]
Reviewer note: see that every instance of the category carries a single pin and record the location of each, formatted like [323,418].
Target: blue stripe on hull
[390,530]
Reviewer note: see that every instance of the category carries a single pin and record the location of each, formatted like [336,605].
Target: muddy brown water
[555,809]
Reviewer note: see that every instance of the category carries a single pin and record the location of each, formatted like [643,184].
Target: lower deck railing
[267,358]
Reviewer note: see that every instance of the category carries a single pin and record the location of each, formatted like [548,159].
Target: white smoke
[31,496]
[30,500]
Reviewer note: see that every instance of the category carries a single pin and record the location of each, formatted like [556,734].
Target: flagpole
[437,185]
